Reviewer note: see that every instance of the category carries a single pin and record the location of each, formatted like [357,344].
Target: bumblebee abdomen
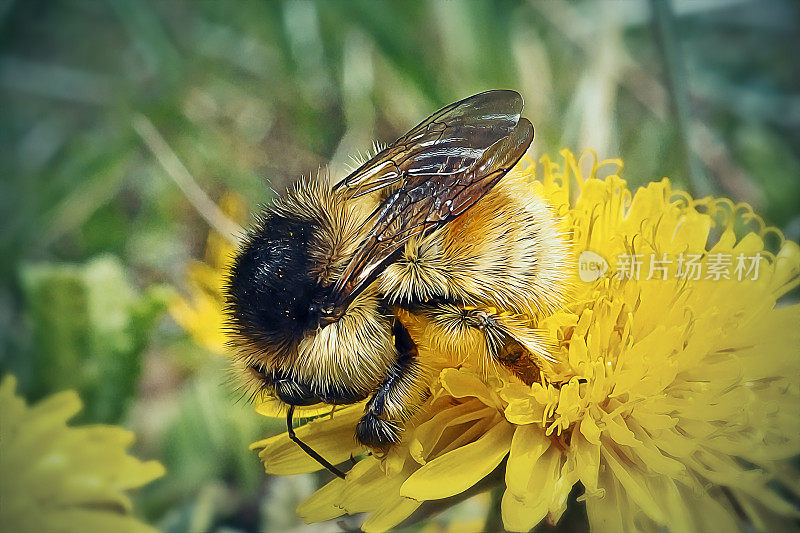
[506,251]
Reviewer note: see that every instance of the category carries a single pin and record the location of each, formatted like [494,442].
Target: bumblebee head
[276,298]
[273,298]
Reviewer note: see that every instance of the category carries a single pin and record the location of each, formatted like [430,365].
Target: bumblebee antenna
[306,448]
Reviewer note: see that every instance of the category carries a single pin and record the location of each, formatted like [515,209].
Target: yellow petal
[517,515]
[635,486]
[588,428]
[334,439]
[427,435]
[461,384]
[527,446]
[679,515]
[323,504]
[587,462]
[456,471]
[523,407]
[618,430]
[613,513]
[389,514]
[272,407]
[367,485]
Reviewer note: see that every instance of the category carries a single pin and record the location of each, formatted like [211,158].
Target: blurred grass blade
[675,74]
[181,176]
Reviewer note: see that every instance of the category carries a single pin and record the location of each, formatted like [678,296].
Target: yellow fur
[357,350]
[340,233]
[504,252]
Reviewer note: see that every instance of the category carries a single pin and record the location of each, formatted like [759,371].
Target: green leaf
[90,328]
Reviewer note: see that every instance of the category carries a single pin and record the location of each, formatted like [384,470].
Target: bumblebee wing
[439,181]
[448,142]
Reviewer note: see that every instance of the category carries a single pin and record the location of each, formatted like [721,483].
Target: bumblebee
[431,227]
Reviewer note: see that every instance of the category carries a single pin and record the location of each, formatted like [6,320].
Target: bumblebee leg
[308,449]
[468,332]
[396,398]
[502,347]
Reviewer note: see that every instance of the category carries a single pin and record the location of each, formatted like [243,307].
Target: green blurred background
[103,101]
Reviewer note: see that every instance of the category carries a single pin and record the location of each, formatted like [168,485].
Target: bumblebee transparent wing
[448,142]
[449,167]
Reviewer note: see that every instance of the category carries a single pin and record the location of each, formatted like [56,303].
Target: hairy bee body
[353,353]
[429,228]
[505,254]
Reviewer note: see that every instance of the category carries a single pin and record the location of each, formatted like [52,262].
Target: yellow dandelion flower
[56,478]
[672,401]
[200,312]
